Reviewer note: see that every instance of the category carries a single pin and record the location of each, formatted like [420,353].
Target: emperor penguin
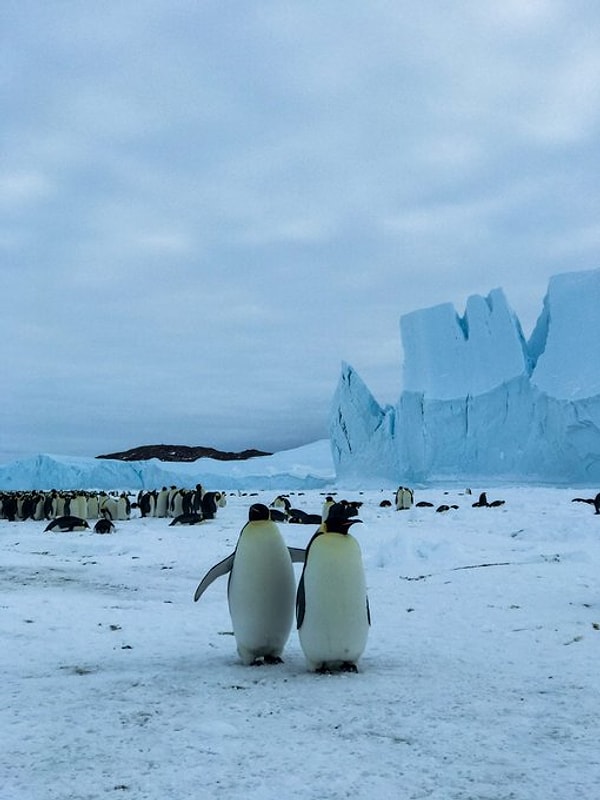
[67,523]
[261,588]
[329,501]
[404,498]
[162,503]
[332,607]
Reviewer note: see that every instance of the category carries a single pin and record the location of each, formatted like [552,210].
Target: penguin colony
[185,506]
[330,604]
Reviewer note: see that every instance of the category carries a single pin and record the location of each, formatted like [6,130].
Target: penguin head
[258,511]
[338,520]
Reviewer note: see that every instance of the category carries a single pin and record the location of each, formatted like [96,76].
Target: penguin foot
[345,666]
[261,660]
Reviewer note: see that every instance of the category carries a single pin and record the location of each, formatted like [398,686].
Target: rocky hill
[180,452]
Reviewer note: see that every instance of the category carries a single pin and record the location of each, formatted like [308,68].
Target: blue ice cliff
[479,401]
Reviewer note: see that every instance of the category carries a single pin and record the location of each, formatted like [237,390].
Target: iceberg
[479,401]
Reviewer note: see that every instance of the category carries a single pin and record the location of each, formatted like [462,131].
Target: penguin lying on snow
[482,502]
[104,526]
[187,519]
[593,501]
[332,607]
[261,588]
[67,524]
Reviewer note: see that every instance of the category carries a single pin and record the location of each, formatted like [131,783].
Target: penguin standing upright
[261,588]
[332,607]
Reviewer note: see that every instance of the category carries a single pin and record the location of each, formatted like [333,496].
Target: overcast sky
[208,206]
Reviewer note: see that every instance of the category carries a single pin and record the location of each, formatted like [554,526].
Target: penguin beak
[341,526]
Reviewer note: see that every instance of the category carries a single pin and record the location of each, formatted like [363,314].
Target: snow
[481,403]
[479,679]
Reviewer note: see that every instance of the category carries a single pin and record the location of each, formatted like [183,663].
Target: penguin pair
[332,610]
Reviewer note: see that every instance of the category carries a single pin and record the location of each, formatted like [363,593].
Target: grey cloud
[207,207]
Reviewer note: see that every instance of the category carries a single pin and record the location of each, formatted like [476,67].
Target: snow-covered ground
[479,681]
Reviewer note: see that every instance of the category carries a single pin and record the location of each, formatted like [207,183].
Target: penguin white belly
[93,508]
[336,623]
[261,594]
[79,506]
[162,502]
[122,508]
[39,509]
[176,505]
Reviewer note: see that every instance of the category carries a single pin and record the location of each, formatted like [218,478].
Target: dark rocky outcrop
[180,452]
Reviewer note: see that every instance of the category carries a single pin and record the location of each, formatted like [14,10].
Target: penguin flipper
[297,554]
[300,595]
[222,568]
[300,603]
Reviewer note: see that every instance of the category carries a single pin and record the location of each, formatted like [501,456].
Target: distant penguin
[282,501]
[67,523]
[176,502]
[147,503]
[593,501]
[298,517]
[483,502]
[187,519]
[277,515]
[162,502]
[211,501]
[123,506]
[10,508]
[108,508]
[261,588]
[332,607]
[329,501]
[79,506]
[404,498]
[104,526]
[93,504]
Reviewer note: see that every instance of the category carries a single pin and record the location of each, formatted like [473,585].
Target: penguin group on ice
[404,499]
[330,601]
[185,506]
[52,504]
